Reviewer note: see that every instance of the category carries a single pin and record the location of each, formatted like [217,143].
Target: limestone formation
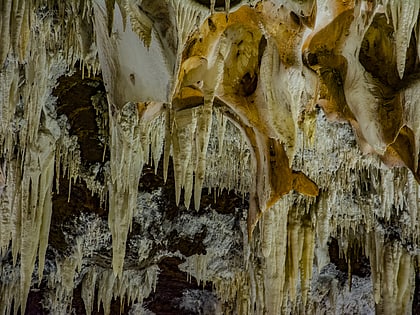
[250,156]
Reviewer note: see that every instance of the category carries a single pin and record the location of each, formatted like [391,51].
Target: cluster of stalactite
[235,94]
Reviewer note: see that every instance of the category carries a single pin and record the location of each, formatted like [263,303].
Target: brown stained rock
[304,185]
[248,84]
[274,177]
[400,152]
[189,97]
[377,56]
[242,92]
[279,172]
[246,106]
[284,27]
[324,57]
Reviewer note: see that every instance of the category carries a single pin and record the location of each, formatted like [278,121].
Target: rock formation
[209,157]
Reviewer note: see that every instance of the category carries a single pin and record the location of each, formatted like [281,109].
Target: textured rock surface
[209,157]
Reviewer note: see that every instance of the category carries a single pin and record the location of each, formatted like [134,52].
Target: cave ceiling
[209,157]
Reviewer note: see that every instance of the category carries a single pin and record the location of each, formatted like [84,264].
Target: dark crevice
[359,263]
[67,209]
[220,4]
[116,306]
[416,296]
[171,285]
[74,100]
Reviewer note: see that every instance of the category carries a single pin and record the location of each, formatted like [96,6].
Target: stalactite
[275,275]
[133,287]
[212,5]
[89,289]
[188,18]
[127,161]
[307,260]
[169,70]
[184,128]
[33,191]
[9,84]
[29,89]
[392,275]
[10,290]
[412,119]
[5,29]
[67,156]
[228,158]
[279,111]
[62,281]
[156,138]
[204,122]
[36,208]
[404,15]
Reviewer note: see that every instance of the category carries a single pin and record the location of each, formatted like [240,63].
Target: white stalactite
[141,66]
[127,160]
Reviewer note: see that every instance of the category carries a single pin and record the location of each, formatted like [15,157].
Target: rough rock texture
[209,157]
